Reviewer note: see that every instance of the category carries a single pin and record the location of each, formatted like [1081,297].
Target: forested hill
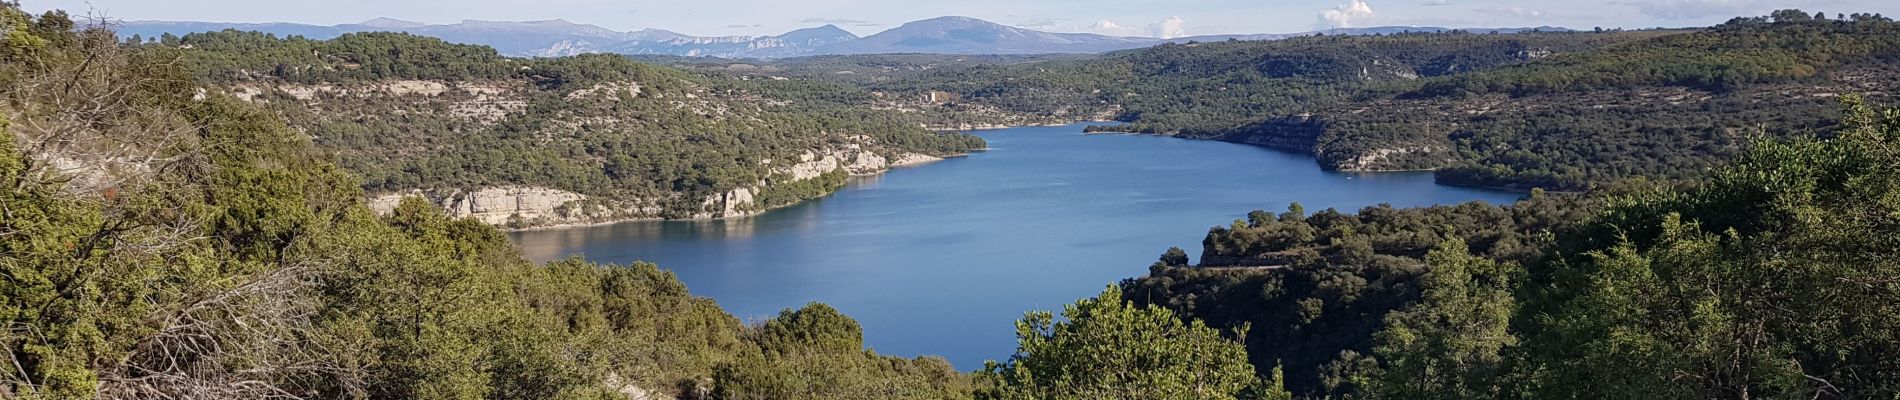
[1775,276]
[1556,110]
[560,140]
[162,242]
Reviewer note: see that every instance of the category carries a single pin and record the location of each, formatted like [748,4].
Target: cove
[943,258]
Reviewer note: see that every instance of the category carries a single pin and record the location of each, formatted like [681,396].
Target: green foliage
[1106,347]
[237,261]
[1723,58]
[1562,111]
[1314,286]
[1771,278]
[817,353]
[1451,343]
[817,327]
[633,135]
[1774,279]
[781,190]
[233,54]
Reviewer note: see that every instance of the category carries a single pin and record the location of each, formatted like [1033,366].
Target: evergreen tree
[1451,344]
[1107,348]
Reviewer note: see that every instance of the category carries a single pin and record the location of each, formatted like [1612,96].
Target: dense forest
[1771,277]
[162,238]
[1563,111]
[160,241]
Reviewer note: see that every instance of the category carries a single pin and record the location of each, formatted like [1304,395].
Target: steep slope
[536,142]
[1562,111]
[1630,291]
[160,241]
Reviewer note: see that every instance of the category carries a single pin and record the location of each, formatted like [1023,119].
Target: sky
[1152,18]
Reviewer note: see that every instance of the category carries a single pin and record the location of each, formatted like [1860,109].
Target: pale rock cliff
[495,206]
[1377,160]
[525,206]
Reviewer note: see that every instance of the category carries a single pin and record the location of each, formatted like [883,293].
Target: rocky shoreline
[521,208]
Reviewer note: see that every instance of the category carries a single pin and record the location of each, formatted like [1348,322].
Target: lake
[943,258]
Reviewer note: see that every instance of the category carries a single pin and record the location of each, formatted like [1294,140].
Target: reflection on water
[943,258]
[560,243]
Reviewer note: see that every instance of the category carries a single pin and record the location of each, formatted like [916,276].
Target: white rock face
[812,165]
[606,89]
[537,207]
[494,206]
[1370,161]
[867,163]
[861,163]
[910,159]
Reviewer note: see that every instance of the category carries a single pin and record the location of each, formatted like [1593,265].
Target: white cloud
[1170,28]
[1346,15]
[1107,26]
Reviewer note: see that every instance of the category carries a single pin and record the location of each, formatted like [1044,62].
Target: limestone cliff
[531,207]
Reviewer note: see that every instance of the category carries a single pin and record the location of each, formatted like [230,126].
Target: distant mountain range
[554,38]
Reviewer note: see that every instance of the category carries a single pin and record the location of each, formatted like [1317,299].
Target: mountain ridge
[560,37]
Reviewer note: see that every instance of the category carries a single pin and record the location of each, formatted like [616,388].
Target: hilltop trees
[156,242]
[1450,344]
[1106,347]
[1773,277]
[1776,278]
[637,135]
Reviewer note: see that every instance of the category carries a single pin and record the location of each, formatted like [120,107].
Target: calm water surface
[943,258]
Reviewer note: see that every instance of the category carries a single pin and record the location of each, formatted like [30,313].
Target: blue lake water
[941,259]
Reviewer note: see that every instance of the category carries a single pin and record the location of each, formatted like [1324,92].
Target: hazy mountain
[1381,30]
[963,35]
[391,23]
[154,29]
[555,38]
[530,38]
[794,43]
[815,37]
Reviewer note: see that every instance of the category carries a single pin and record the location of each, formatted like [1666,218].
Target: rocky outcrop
[1385,159]
[508,205]
[736,203]
[867,163]
[812,164]
[532,207]
[856,162]
[910,159]
[742,202]
[1298,133]
[487,102]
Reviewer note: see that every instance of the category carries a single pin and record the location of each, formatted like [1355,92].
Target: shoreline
[580,225]
[936,159]
[1493,188]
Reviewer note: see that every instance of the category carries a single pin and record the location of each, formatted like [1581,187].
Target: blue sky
[1121,17]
